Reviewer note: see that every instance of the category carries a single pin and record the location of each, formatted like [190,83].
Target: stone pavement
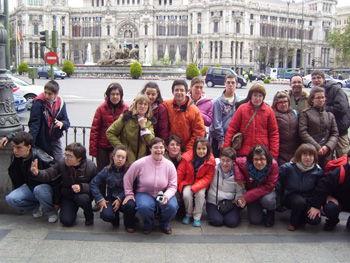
[25,239]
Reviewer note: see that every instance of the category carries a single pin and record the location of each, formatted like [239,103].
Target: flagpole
[16,47]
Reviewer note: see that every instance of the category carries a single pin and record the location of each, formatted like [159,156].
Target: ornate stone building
[234,33]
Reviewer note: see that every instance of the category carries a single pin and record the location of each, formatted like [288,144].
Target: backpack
[331,165]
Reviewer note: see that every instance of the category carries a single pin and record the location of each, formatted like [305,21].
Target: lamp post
[288,3]
[302,35]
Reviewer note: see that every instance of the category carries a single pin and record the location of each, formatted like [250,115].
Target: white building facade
[239,34]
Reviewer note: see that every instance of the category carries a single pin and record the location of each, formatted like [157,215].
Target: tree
[68,67]
[263,47]
[192,71]
[341,43]
[135,70]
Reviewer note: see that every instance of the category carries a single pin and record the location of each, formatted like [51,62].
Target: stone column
[294,59]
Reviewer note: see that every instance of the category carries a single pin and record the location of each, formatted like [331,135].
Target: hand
[102,204]
[57,207]
[116,204]
[142,122]
[241,202]
[3,142]
[323,150]
[220,147]
[76,188]
[126,199]
[165,200]
[58,124]
[313,212]
[240,183]
[332,199]
[34,167]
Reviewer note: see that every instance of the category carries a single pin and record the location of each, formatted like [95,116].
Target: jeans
[299,207]
[56,150]
[255,208]
[146,205]
[109,215]
[215,218]
[69,209]
[25,199]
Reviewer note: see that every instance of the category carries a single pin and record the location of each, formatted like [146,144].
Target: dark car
[216,76]
[21,104]
[44,72]
[347,83]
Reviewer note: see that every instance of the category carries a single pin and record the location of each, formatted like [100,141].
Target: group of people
[155,158]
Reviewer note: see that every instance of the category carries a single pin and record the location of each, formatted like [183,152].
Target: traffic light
[54,35]
[313,62]
[45,38]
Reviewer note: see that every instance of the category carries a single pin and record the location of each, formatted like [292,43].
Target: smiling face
[296,84]
[152,94]
[201,149]
[114,96]
[157,151]
[197,90]
[179,93]
[119,158]
[318,80]
[173,148]
[259,161]
[141,107]
[307,159]
[226,164]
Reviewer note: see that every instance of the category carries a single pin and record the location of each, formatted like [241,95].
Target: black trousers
[69,209]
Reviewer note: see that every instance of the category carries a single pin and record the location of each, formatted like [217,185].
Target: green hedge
[204,70]
[192,71]
[136,70]
[23,67]
[68,67]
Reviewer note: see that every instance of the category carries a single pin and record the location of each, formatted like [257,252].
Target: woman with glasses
[224,191]
[318,127]
[287,120]
[259,172]
[75,173]
[134,128]
[263,128]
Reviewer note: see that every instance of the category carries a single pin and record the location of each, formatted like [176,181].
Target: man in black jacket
[29,194]
[333,193]
[338,104]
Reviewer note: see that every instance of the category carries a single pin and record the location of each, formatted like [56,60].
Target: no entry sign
[51,58]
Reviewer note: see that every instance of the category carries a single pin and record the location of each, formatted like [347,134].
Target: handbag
[225,205]
[237,139]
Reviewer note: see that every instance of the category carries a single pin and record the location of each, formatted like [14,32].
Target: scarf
[256,174]
[304,168]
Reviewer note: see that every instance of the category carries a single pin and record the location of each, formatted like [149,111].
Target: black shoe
[328,227]
[270,218]
[348,222]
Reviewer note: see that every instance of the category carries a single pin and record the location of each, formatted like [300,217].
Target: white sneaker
[37,212]
[53,218]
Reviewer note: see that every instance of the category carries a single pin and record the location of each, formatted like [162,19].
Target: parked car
[308,82]
[44,72]
[216,76]
[26,90]
[290,73]
[21,104]
[347,83]
[260,76]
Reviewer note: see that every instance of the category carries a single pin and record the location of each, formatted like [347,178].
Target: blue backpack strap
[296,114]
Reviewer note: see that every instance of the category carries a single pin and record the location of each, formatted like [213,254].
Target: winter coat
[262,130]
[224,188]
[19,169]
[288,128]
[114,182]
[185,121]
[186,173]
[38,123]
[223,112]
[302,104]
[337,103]
[255,190]
[127,131]
[82,176]
[205,106]
[329,185]
[104,117]
[161,126]
[313,122]
[293,181]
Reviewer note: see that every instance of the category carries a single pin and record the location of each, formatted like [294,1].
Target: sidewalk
[25,239]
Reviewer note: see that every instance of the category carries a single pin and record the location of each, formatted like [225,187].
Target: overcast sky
[78,3]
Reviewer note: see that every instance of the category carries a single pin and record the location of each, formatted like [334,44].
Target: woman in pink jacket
[262,130]
[259,172]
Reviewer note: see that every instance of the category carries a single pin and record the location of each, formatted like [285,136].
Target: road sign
[51,58]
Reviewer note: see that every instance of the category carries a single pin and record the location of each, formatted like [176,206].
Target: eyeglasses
[282,102]
[158,147]
[121,157]
[68,156]
[259,159]
[320,98]
[225,161]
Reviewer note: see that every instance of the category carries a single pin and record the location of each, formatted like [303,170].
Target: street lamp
[302,35]
[288,3]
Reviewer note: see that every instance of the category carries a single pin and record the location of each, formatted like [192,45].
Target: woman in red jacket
[194,175]
[262,130]
[259,172]
[105,115]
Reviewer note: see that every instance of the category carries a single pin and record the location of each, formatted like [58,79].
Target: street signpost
[51,58]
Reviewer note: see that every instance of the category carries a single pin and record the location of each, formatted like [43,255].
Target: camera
[160,197]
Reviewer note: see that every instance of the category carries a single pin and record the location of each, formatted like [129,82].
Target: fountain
[88,60]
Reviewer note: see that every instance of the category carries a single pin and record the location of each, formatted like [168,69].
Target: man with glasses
[29,193]
[298,97]
[338,104]
[224,107]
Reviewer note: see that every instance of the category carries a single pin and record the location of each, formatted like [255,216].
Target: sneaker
[38,212]
[186,220]
[196,223]
[53,218]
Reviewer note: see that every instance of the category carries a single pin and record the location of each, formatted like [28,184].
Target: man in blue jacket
[48,119]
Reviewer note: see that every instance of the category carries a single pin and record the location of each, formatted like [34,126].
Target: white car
[308,82]
[26,90]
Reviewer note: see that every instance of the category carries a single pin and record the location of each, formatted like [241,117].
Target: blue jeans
[25,199]
[56,150]
[215,218]
[146,205]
